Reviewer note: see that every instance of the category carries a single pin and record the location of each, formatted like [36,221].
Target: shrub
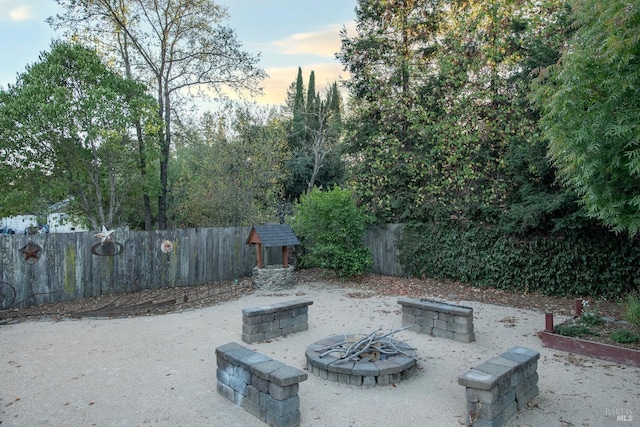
[624,336]
[632,310]
[331,229]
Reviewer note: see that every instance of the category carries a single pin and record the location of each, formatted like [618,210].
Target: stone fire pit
[362,360]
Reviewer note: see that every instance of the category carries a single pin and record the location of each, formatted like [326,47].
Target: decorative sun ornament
[166,246]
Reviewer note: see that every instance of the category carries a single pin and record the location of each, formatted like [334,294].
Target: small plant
[624,336]
[591,320]
[632,309]
[574,330]
[590,316]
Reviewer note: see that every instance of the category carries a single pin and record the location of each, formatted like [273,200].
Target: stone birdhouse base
[273,277]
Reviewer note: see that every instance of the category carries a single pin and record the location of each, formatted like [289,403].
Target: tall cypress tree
[311,92]
[298,124]
[313,138]
[312,109]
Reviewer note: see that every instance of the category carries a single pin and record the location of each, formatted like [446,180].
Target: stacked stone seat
[439,319]
[266,388]
[276,320]
[501,386]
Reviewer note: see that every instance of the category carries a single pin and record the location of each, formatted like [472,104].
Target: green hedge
[331,228]
[599,264]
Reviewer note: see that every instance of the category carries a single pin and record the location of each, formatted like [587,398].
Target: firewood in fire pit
[368,348]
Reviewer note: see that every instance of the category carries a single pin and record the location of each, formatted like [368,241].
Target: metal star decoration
[30,251]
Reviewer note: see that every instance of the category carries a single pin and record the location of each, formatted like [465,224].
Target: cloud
[327,69]
[325,42]
[275,87]
[280,78]
[19,14]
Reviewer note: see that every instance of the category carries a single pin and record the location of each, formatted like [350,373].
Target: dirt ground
[167,300]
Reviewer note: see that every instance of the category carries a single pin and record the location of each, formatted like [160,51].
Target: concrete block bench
[501,386]
[264,387]
[439,319]
[276,320]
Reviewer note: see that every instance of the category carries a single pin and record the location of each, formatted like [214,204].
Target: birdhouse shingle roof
[274,235]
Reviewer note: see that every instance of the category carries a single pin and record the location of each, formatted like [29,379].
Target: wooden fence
[383,242]
[76,265]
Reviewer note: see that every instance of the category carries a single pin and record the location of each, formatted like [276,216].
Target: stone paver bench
[501,386]
[264,387]
[276,320]
[439,319]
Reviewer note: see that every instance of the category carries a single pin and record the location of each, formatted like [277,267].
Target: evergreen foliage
[295,103]
[390,81]
[442,132]
[441,125]
[313,99]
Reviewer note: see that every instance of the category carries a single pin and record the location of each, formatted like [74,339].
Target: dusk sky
[287,33]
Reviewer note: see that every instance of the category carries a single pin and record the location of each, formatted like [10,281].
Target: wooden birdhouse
[272,235]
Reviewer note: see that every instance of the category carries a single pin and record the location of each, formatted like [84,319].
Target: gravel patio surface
[159,370]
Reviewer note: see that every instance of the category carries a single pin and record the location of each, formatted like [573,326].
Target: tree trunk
[165,144]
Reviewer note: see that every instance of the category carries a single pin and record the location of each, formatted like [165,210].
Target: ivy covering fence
[599,264]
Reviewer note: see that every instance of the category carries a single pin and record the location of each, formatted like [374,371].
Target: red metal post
[579,307]
[548,322]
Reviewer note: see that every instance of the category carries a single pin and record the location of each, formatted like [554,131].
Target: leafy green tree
[178,47]
[441,126]
[66,130]
[332,230]
[590,102]
[537,201]
[477,62]
[228,168]
[388,132]
[496,153]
